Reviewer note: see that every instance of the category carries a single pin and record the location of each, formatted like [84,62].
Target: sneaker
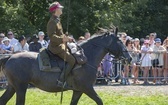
[158,83]
[132,76]
[127,82]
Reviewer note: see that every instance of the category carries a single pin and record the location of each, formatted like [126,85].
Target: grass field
[110,95]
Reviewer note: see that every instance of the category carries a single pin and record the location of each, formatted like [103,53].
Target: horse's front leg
[7,95]
[75,97]
[20,94]
[93,95]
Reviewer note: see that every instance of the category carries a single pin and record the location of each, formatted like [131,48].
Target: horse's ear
[116,31]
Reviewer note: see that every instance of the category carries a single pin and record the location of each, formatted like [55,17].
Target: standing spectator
[146,60]
[123,37]
[136,57]
[22,45]
[158,51]
[81,39]
[41,40]
[107,64]
[127,67]
[165,67]
[87,35]
[152,36]
[11,36]
[100,70]
[7,47]
[35,46]
[1,43]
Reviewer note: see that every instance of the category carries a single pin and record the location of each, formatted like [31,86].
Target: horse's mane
[100,33]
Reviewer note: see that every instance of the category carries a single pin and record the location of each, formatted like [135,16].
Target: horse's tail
[3,62]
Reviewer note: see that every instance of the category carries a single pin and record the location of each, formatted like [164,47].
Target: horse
[23,68]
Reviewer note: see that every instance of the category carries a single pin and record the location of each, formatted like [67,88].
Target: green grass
[38,97]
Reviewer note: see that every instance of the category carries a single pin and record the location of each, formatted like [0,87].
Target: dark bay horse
[23,68]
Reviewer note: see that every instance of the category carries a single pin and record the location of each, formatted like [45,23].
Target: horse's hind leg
[7,95]
[93,95]
[20,94]
[75,97]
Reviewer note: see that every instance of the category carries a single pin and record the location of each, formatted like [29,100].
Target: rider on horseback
[58,41]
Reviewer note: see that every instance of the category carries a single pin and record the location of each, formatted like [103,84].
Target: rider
[58,41]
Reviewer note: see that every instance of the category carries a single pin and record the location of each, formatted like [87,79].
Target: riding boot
[64,75]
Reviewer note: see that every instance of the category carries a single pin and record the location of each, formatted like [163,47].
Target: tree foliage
[136,17]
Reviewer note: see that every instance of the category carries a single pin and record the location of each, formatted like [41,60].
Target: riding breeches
[66,56]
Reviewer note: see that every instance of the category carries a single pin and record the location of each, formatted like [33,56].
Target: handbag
[139,62]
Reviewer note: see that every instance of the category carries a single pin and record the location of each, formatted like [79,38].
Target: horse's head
[118,49]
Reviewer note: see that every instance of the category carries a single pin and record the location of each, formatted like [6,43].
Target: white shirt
[13,41]
[146,58]
[44,43]
[18,47]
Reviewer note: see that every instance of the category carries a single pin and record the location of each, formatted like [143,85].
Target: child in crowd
[7,47]
[146,60]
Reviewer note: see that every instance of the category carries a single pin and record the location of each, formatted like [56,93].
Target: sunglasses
[1,36]
[10,34]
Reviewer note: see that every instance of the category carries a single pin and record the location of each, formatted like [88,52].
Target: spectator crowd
[145,50]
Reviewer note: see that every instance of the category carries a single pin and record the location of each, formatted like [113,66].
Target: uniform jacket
[55,33]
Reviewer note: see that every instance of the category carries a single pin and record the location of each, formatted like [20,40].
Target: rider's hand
[65,39]
[70,39]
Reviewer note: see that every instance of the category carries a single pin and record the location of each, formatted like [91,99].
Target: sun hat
[5,39]
[41,33]
[158,40]
[136,39]
[55,6]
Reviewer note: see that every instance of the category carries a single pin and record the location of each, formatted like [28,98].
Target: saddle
[49,61]
[53,63]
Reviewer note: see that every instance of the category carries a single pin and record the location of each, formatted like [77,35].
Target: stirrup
[61,84]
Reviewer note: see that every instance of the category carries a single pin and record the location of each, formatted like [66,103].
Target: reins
[65,48]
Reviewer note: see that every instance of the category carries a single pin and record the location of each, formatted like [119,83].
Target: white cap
[5,39]
[41,33]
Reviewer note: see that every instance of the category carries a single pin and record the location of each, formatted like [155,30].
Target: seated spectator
[7,47]
[11,36]
[22,45]
[35,46]
[41,40]
[1,44]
